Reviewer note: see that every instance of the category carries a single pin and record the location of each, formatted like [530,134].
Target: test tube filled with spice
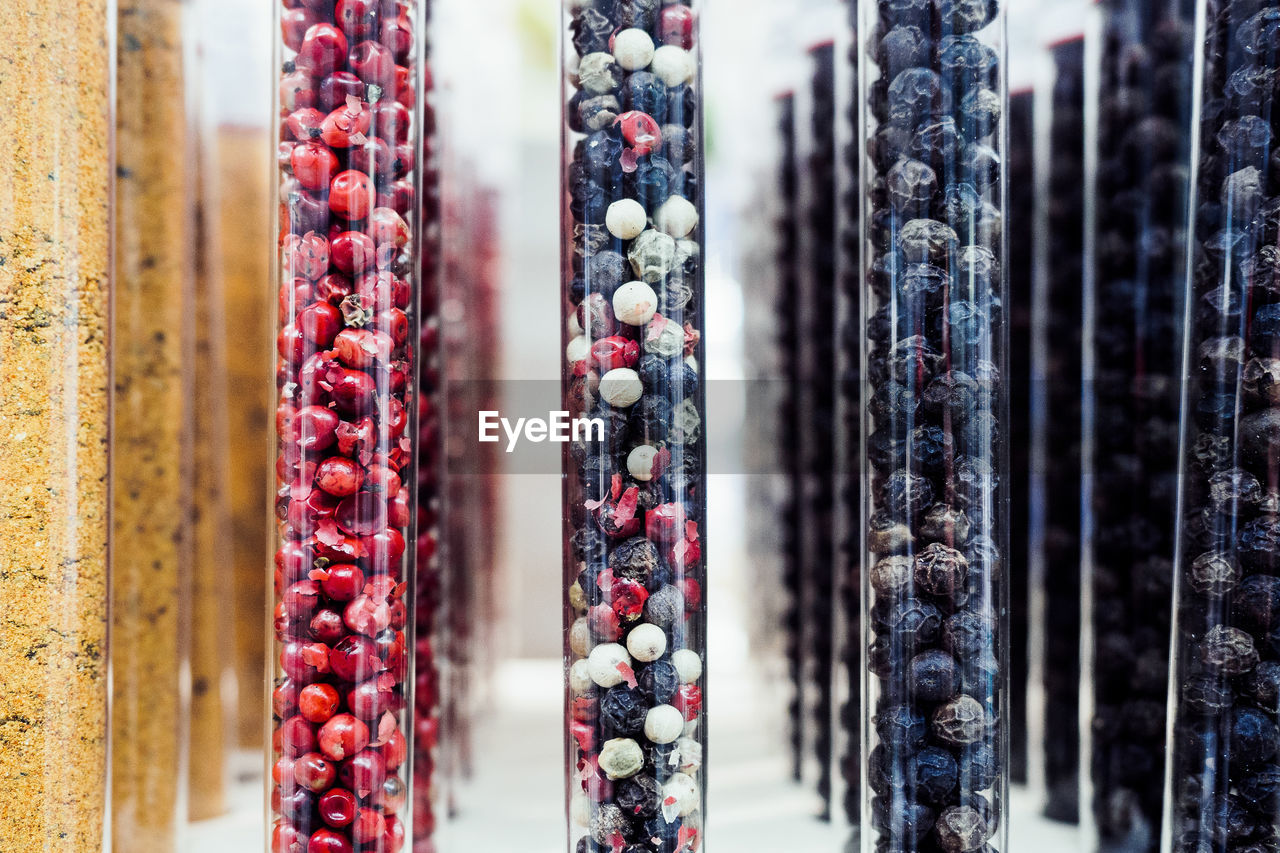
[936,514]
[1141,86]
[350,301]
[635,641]
[55,221]
[1056,393]
[152,428]
[1225,746]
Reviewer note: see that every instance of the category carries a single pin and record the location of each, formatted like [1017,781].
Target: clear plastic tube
[1054,547]
[1140,97]
[934,99]
[54,244]
[1225,739]
[634,525]
[152,429]
[351,261]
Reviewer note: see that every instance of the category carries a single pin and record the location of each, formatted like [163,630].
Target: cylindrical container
[1139,92]
[788,331]
[1021,238]
[847,456]
[349,352]
[428,555]
[818,335]
[934,96]
[54,268]
[634,485]
[213,687]
[1056,391]
[1224,746]
[152,430]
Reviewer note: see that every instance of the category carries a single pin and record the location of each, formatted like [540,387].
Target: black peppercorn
[941,571]
[658,682]
[933,676]
[1254,738]
[622,712]
[936,775]
[1255,605]
[640,796]
[962,829]
[901,727]
[1229,651]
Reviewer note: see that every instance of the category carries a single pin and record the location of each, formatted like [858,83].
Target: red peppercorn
[640,132]
[614,352]
[395,751]
[391,798]
[318,702]
[363,773]
[384,549]
[285,838]
[387,226]
[370,699]
[358,18]
[337,88]
[404,160]
[397,34]
[367,616]
[374,157]
[304,123]
[343,583]
[383,290]
[354,658]
[317,428]
[338,807]
[398,512]
[692,593]
[342,736]
[328,841]
[347,124]
[306,256]
[665,523]
[353,252]
[295,805]
[339,476]
[313,164]
[353,391]
[323,50]
[293,560]
[396,324]
[333,288]
[373,63]
[368,827]
[363,348]
[358,439]
[382,480]
[284,699]
[688,701]
[327,627]
[301,600]
[304,661]
[393,838]
[294,737]
[406,94]
[291,344]
[282,773]
[298,90]
[295,24]
[604,623]
[676,26]
[313,772]
[399,196]
[351,194]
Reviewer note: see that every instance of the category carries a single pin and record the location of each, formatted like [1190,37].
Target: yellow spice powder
[243,247]
[54,214]
[211,565]
[151,427]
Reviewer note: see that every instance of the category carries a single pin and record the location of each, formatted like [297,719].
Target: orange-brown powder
[151,428]
[54,255]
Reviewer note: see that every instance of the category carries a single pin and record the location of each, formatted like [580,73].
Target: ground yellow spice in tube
[211,693]
[150,429]
[54,254]
[243,216]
